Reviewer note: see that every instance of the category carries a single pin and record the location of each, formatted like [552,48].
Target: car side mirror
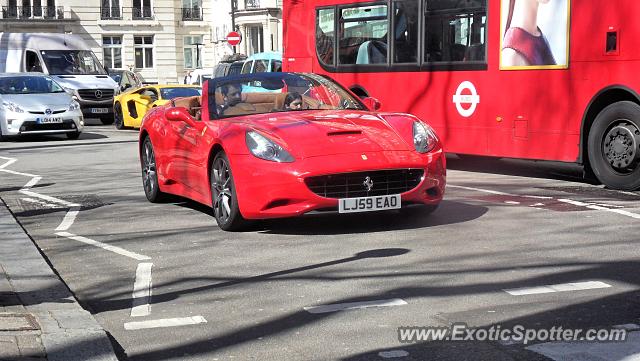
[372,103]
[179,114]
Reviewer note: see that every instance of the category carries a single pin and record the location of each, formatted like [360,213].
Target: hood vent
[344,132]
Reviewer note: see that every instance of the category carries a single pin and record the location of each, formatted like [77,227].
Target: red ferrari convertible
[273,145]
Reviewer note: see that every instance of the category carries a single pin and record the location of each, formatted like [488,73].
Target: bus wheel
[614,146]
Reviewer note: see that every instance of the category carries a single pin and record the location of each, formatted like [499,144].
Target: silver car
[33,103]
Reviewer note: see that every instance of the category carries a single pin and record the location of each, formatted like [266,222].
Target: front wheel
[118,116]
[73,135]
[223,195]
[150,172]
[614,146]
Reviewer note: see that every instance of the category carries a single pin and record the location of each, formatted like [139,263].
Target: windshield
[72,62]
[170,93]
[29,85]
[116,77]
[277,92]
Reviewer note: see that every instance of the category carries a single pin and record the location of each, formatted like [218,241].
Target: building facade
[160,39]
[258,21]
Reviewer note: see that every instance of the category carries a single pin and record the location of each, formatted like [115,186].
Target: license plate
[368,204]
[99,110]
[49,120]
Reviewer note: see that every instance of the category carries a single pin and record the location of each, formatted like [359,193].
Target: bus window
[363,35]
[325,24]
[455,34]
[405,32]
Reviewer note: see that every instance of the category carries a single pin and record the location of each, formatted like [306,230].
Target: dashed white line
[600,208]
[355,305]
[142,291]
[106,247]
[167,322]
[69,218]
[562,287]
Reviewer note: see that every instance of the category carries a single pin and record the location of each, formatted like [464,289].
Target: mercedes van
[68,60]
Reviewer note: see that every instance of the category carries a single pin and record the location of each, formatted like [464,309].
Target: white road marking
[562,287]
[142,291]
[481,190]
[167,322]
[106,247]
[48,198]
[40,203]
[32,182]
[17,173]
[600,208]
[8,162]
[393,354]
[69,218]
[355,305]
[512,202]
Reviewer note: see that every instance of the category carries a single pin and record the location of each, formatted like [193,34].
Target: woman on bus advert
[534,34]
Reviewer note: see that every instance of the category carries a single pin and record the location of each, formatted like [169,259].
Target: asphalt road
[504,226]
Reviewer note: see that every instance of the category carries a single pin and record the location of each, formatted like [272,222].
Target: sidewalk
[39,318]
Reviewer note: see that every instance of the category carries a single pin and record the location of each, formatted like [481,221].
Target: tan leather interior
[193,104]
[254,103]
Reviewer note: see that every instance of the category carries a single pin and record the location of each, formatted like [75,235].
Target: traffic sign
[234,38]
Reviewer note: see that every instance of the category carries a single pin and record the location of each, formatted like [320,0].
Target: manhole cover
[17,322]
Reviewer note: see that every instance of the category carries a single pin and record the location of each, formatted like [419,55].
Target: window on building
[191,10]
[112,51]
[193,51]
[143,49]
[110,9]
[142,9]
[363,35]
[255,42]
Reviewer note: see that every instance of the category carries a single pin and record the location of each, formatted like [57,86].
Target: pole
[198,45]
[233,19]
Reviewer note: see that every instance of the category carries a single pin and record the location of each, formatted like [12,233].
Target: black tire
[149,172]
[107,120]
[118,116]
[614,146]
[73,135]
[223,195]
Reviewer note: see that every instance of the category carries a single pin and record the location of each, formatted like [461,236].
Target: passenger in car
[293,101]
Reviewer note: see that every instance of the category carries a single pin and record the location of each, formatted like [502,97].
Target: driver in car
[231,95]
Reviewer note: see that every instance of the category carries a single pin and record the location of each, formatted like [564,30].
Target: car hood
[39,102]
[310,134]
[86,82]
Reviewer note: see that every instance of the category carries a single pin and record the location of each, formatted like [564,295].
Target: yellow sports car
[130,107]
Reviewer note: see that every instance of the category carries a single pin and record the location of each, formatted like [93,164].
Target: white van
[67,59]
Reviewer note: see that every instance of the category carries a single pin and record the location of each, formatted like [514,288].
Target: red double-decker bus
[534,79]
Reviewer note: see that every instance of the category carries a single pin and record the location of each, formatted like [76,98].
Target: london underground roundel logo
[466,99]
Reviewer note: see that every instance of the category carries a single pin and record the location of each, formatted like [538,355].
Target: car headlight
[12,107]
[424,138]
[74,106]
[264,148]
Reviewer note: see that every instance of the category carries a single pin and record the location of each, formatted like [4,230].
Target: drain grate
[18,322]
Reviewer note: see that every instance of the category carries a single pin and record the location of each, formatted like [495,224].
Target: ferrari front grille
[365,184]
